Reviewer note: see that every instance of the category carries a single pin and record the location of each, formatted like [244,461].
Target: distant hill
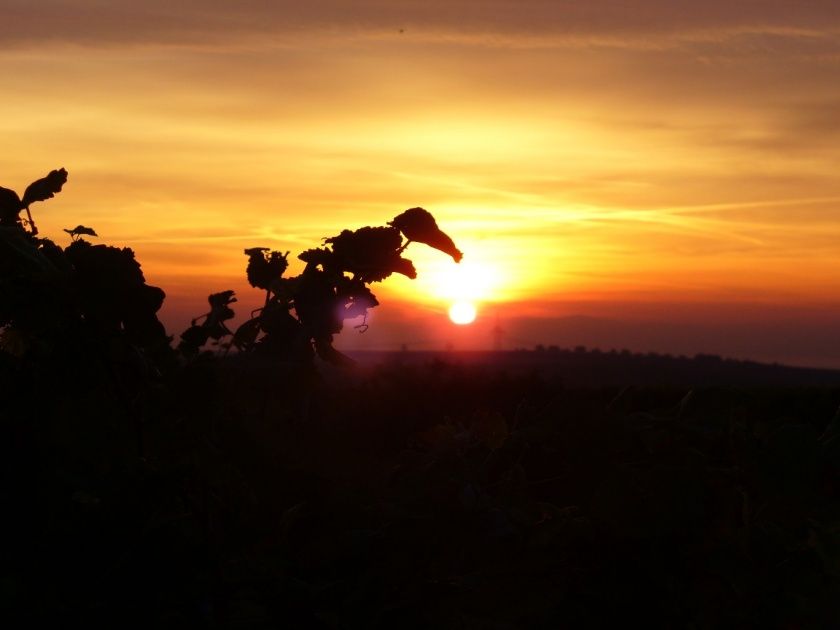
[593,368]
[801,339]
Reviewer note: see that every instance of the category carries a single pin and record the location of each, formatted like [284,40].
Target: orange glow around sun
[457,289]
[477,278]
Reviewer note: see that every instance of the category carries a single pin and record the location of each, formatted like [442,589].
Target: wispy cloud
[647,24]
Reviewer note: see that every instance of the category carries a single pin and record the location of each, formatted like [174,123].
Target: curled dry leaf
[45,188]
[81,230]
[418,224]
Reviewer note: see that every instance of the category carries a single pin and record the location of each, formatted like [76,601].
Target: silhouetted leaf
[318,256]
[44,188]
[246,335]
[265,267]
[405,267]
[80,230]
[356,297]
[418,224]
[192,339]
[220,312]
[370,253]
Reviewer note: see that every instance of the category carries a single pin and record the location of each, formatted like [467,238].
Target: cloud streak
[607,23]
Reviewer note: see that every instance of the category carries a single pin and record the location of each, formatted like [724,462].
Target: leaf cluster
[40,190]
[213,326]
[50,294]
[302,313]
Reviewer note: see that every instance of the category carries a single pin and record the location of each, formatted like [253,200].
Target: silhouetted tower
[498,334]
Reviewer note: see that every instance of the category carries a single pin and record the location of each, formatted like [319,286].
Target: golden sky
[657,160]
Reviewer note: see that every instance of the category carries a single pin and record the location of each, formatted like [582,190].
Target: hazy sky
[654,161]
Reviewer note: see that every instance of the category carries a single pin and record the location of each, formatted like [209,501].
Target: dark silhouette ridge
[582,367]
[143,488]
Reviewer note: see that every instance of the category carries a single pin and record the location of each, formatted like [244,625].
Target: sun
[462,313]
[458,289]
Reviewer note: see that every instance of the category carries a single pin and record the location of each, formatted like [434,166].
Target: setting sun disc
[462,313]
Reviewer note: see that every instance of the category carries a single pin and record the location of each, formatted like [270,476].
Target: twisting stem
[402,248]
[31,222]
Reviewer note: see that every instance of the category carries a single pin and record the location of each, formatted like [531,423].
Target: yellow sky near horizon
[589,165]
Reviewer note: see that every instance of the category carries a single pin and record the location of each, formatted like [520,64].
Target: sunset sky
[655,175]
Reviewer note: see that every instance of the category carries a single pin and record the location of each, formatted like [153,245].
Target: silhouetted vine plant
[52,296]
[301,314]
[49,294]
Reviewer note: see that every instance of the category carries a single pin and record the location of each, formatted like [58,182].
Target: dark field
[443,492]
[595,368]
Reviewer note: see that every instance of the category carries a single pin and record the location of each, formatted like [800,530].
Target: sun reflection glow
[470,280]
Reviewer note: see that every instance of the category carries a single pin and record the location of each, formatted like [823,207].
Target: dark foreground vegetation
[245,495]
[266,488]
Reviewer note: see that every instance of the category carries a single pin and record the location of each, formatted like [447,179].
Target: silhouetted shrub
[301,314]
[49,294]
